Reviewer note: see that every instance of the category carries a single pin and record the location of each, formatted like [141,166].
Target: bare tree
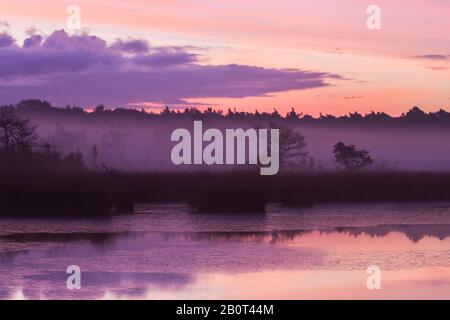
[292,148]
[292,144]
[94,157]
[16,134]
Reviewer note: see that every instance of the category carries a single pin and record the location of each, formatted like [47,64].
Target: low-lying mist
[144,144]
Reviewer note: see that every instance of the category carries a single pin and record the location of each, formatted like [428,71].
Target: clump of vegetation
[292,150]
[22,151]
[350,158]
[35,178]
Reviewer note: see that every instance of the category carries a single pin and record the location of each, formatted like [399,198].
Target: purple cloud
[36,61]
[167,85]
[32,41]
[165,57]
[57,53]
[85,70]
[131,45]
[60,40]
[6,40]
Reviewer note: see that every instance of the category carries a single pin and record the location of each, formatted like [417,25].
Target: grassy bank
[103,194]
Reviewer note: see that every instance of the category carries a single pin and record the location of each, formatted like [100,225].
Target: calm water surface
[167,252]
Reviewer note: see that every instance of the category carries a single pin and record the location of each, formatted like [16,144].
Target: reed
[99,195]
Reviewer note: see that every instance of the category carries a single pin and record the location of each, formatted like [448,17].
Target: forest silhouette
[413,116]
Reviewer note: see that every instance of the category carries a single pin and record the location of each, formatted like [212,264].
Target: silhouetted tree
[15,134]
[166,111]
[292,148]
[36,104]
[415,113]
[350,158]
[292,115]
[21,150]
[94,156]
[99,109]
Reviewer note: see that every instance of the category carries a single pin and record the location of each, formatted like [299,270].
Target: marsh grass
[98,195]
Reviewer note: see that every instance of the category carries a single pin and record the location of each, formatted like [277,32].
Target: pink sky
[381,69]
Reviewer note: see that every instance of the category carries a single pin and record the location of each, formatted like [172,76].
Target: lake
[167,252]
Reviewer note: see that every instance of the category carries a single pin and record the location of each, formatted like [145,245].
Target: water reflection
[128,258]
[107,239]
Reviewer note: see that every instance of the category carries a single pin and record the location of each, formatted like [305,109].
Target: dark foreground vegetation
[99,195]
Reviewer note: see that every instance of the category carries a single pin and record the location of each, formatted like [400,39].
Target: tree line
[413,116]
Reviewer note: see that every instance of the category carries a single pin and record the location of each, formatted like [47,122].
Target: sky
[314,56]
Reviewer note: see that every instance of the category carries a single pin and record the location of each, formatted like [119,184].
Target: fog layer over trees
[137,140]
